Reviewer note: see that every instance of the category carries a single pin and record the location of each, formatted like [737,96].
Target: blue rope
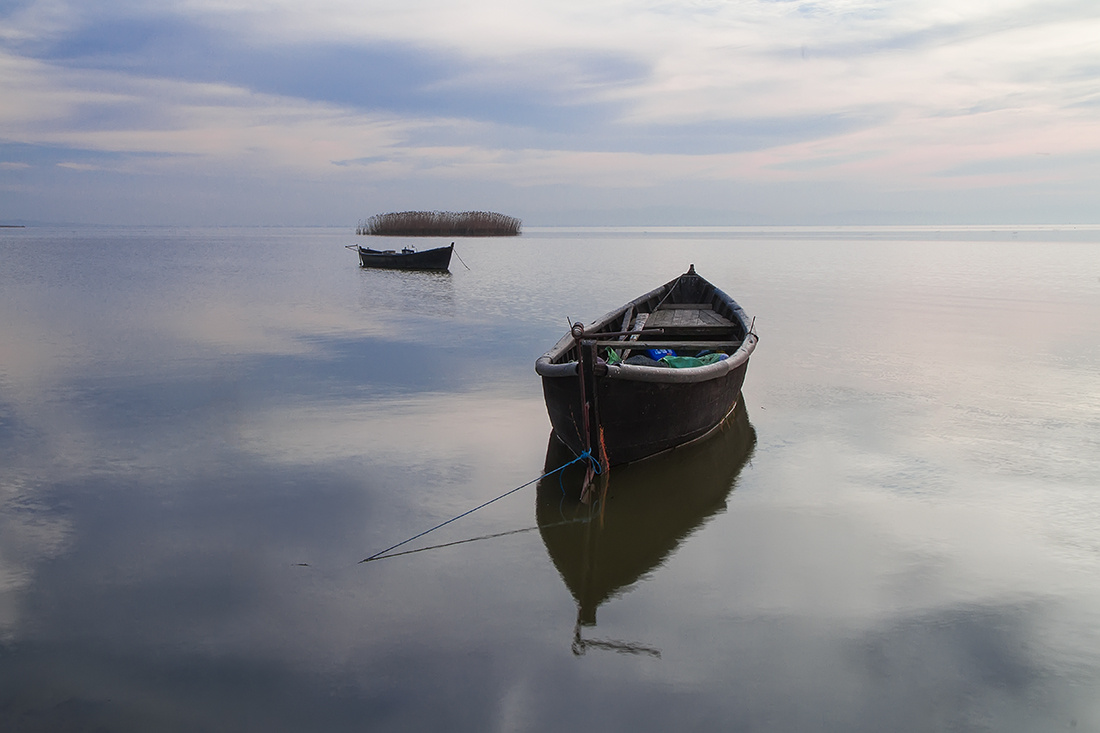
[587,455]
[596,469]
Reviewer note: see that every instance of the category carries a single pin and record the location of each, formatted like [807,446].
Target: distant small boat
[407,259]
[663,370]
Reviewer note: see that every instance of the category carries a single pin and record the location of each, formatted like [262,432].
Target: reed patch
[440,224]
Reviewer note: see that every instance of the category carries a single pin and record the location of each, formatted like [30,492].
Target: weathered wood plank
[639,325]
[684,344]
[684,306]
[688,319]
[626,319]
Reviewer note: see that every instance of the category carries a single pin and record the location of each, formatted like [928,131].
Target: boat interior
[687,317]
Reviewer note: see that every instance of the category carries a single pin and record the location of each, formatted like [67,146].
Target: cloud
[506,96]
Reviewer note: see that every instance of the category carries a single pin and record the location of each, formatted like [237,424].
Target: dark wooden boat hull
[641,419]
[641,410]
[429,259]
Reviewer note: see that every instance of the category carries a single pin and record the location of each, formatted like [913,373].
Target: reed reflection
[640,514]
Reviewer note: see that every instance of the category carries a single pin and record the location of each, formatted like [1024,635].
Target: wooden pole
[587,371]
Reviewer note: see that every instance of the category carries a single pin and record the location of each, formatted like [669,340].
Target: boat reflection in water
[639,515]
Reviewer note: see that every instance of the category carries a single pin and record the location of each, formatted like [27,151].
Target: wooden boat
[602,551]
[407,259]
[605,396]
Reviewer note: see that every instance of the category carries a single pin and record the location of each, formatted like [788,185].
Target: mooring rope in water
[484,537]
[585,456]
[463,264]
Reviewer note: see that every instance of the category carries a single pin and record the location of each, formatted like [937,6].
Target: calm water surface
[203,431]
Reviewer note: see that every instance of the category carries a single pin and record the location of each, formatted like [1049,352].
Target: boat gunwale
[547,367]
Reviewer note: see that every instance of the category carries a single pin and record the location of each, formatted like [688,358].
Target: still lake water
[202,431]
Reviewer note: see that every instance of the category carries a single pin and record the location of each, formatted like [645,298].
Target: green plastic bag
[685,362]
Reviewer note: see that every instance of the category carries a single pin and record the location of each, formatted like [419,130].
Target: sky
[570,112]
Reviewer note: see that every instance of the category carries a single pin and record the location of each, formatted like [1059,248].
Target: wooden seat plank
[689,321]
[727,346]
